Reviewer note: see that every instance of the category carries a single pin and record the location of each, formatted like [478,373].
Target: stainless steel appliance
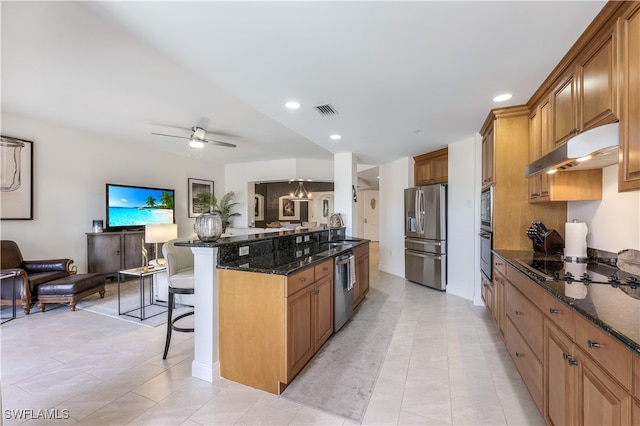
[486,231]
[343,290]
[425,253]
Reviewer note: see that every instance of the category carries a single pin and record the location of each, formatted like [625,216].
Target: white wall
[395,177]
[71,167]
[240,177]
[344,180]
[462,229]
[614,221]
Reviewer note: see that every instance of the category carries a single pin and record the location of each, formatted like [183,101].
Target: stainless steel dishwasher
[343,294]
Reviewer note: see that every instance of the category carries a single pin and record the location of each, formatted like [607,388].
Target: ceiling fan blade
[230,145]
[170,136]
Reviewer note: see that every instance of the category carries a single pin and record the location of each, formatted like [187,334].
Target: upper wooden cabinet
[628,37]
[585,97]
[487,158]
[431,167]
[594,84]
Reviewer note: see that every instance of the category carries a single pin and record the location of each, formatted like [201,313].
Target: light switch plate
[244,251]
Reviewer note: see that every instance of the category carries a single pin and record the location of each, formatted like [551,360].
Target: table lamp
[160,234]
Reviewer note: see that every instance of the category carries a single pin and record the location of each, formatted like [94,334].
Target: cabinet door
[628,35]
[559,378]
[103,253]
[487,157]
[601,401]
[300,347]
[323,310]
[440,169]
[132,249]
[423,172]
[362,274]
[564,111]
[596,87]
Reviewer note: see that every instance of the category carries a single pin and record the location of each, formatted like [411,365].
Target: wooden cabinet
[628,37]
[487,158]
[272,325]
[563,107]
[499,295]
[538,146]
[512,212]
[487,293]
[431,167]
[309,321]
[361,287]
[579,390]
[110,252]
[576,373]
[578,185]
[586,96]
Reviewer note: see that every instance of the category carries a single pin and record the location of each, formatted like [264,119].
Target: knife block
[553,243]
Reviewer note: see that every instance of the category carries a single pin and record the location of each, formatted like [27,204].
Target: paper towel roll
[575,239]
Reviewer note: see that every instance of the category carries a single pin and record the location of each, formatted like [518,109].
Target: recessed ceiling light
[292,105]
[503,97]
[335,137]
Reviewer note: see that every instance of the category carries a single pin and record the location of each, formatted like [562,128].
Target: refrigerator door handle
[420,211]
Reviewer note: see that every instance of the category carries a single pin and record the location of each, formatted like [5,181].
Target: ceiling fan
[197,138]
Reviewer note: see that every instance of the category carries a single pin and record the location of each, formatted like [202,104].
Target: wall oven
[486,231]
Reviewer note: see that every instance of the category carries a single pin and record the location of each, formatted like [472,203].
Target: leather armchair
[31,273]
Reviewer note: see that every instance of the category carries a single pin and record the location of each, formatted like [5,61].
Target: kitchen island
[273,254]
[576,343]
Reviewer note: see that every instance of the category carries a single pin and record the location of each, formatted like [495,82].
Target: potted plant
[223,208]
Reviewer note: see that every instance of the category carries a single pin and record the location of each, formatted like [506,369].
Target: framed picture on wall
[16,173]
[258,207]
[288,210]
[200,196]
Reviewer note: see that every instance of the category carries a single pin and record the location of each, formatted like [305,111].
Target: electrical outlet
[244,251]
[298,240]
[306,238]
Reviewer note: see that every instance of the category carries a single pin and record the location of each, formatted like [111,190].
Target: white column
[205,350]
[345,178]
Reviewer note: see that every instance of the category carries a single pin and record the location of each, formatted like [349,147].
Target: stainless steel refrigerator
[425,231]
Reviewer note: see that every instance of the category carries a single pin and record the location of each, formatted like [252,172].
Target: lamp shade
[160,233]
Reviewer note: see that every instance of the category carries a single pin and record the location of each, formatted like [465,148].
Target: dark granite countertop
[616,310]
[239,239]
[285,262]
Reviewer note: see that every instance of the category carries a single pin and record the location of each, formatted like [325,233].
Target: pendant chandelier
[301,193]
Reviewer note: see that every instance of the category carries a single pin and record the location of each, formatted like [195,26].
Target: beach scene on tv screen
[139,206]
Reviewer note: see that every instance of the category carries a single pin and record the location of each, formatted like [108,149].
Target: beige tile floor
[445,365]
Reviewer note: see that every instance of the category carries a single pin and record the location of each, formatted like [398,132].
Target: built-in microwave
[486,209]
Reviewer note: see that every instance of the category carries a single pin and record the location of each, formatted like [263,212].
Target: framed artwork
[288,210]
[16,174]
[200,196]
[325,208]
[258,207]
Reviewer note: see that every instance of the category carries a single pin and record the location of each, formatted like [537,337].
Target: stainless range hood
[601,143]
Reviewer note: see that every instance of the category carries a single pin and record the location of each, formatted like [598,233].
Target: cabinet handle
[325,268]
[519,355]
[535,194]
[519,313]
[302,279]
[316,291]
[553,311]
[593,344]
[570,359]
[499,263]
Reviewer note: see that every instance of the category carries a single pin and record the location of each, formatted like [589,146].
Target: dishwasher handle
[343,259]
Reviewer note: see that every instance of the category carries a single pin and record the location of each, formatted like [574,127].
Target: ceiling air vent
[326,109]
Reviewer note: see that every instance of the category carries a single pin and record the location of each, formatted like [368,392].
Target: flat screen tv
[133,207]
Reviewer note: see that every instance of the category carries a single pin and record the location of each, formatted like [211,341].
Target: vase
[209,226]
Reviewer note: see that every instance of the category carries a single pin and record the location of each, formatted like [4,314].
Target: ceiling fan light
[196,144]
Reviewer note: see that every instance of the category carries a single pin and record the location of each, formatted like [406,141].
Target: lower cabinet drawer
[529,367]
[526,318]
[611,355]
[560,313]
